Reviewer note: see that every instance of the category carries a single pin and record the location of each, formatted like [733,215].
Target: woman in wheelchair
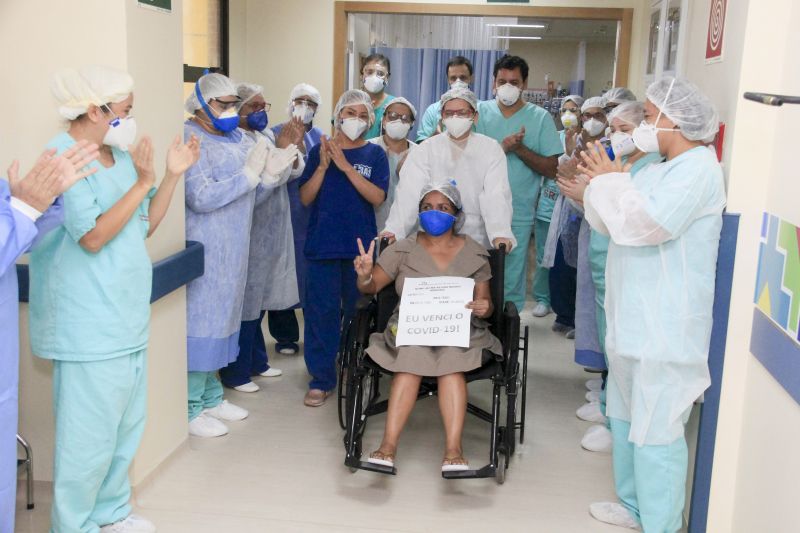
[437,250]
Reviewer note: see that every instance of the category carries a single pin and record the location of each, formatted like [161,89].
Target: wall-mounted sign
[716,30]
[165,6]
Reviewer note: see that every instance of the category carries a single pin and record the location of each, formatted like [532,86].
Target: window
[666,40]
[205,39]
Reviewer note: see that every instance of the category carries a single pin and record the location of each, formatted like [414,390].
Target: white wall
[148,44]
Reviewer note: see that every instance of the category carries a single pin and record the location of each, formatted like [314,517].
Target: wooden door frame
[343,8]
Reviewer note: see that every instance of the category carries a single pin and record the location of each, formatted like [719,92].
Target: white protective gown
[478,166]
[664,226]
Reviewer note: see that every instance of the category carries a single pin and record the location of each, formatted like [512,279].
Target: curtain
[419,74]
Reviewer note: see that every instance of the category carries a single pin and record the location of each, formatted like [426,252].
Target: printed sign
[716,30]
[433,312]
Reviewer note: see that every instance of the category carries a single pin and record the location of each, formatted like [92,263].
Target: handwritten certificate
[433,312]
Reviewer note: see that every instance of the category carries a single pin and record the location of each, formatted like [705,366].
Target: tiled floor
[281,469]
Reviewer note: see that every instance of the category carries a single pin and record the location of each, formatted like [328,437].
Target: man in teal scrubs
[528,135]
[459,74]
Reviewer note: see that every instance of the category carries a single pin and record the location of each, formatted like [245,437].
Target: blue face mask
[436,222]
[258,120]
[222,123]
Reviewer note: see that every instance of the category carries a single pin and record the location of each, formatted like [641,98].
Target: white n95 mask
[569,119]
[457,126]
[594,127]
[459,84]
[121,133]
[353,127]
[622,144]
[645,137]
[508,94]
[303,112]
[373,84]
[397,129]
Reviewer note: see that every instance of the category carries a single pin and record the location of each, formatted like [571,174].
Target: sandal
[380,458]
[455,464]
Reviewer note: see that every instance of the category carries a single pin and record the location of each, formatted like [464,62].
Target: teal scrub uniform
[542,138]
[205,392]
[430,121]
[90,314]
[375,129]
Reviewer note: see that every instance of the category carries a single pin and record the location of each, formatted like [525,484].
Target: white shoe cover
[271,372]
[615,514]
[247,387]
[227,411]
[591,413]
[541,310]
[594,384]
[597,439]
[593,396]
[206,426]
[132,524]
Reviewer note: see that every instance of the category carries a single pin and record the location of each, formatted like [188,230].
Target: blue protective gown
[17,233]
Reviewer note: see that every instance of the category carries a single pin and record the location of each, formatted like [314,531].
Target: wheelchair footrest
[372,467]
[486,471]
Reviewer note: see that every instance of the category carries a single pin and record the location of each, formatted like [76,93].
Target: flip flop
[454,464]
[379,458]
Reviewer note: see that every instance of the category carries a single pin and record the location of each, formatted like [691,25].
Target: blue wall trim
[169,274]
[709,411]
[777,351]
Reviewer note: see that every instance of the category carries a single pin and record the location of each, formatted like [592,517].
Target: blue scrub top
[339,214]
[88,306]
[541,137]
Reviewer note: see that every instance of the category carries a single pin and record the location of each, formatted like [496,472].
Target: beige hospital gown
[407,258]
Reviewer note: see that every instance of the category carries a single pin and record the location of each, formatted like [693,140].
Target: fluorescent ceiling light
[515,37]
[517,25]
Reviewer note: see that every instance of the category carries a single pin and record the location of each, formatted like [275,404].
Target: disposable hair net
[213,85]
[594,101]
[245,91]
[629,112]
[352,98]
[401,100]
[618,95]
[77,89]
[686,106]
[304,89]
[462,93]
[574,98]
[449,189]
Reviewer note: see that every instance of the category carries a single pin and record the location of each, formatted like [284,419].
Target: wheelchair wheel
[342,364]
[502,466]
[524,391]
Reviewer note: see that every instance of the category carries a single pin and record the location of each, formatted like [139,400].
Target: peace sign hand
[363,263]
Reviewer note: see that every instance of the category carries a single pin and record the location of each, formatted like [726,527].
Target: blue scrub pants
[650,480]
[205,392]
[252,358]
[332,297]
[284,327]
[541,276]
[563,284]
[100,409]
[516,274]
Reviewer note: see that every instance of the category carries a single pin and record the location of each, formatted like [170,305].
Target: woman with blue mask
[271,279]
[221,190]
[664,226]
[437,250]
[344,180]
[90,286]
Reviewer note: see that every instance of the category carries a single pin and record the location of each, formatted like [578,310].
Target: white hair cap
[212,86]
[450,190]
[617,95]
[594,101]
[352,98]
[304,89]
[246,91]
[574,98]
[630,112]
[464,94]
[77,89]
[684,104]
[401,100]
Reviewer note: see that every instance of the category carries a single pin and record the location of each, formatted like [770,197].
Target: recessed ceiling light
[517,25]
[515,37]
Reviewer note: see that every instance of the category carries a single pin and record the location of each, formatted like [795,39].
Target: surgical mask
[459,84]
[457,126]
[257,121]
[353,127]
[507,94]
[645,136]
[226,122]
[303,112]
[436,222]
[622,144]
[374,84]
[121,133]
[569,119]
[594,127]
[397,129]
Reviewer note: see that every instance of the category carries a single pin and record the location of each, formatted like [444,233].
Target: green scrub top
[375,130]
[540,136]
[88,306]
[430,120]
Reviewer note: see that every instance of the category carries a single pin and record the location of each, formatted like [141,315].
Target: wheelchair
[359,378]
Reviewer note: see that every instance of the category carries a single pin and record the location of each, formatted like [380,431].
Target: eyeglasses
[570,110]
[392,116]
[599,116]
[370,71]
[301,101]
[226,104]
[460,113]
